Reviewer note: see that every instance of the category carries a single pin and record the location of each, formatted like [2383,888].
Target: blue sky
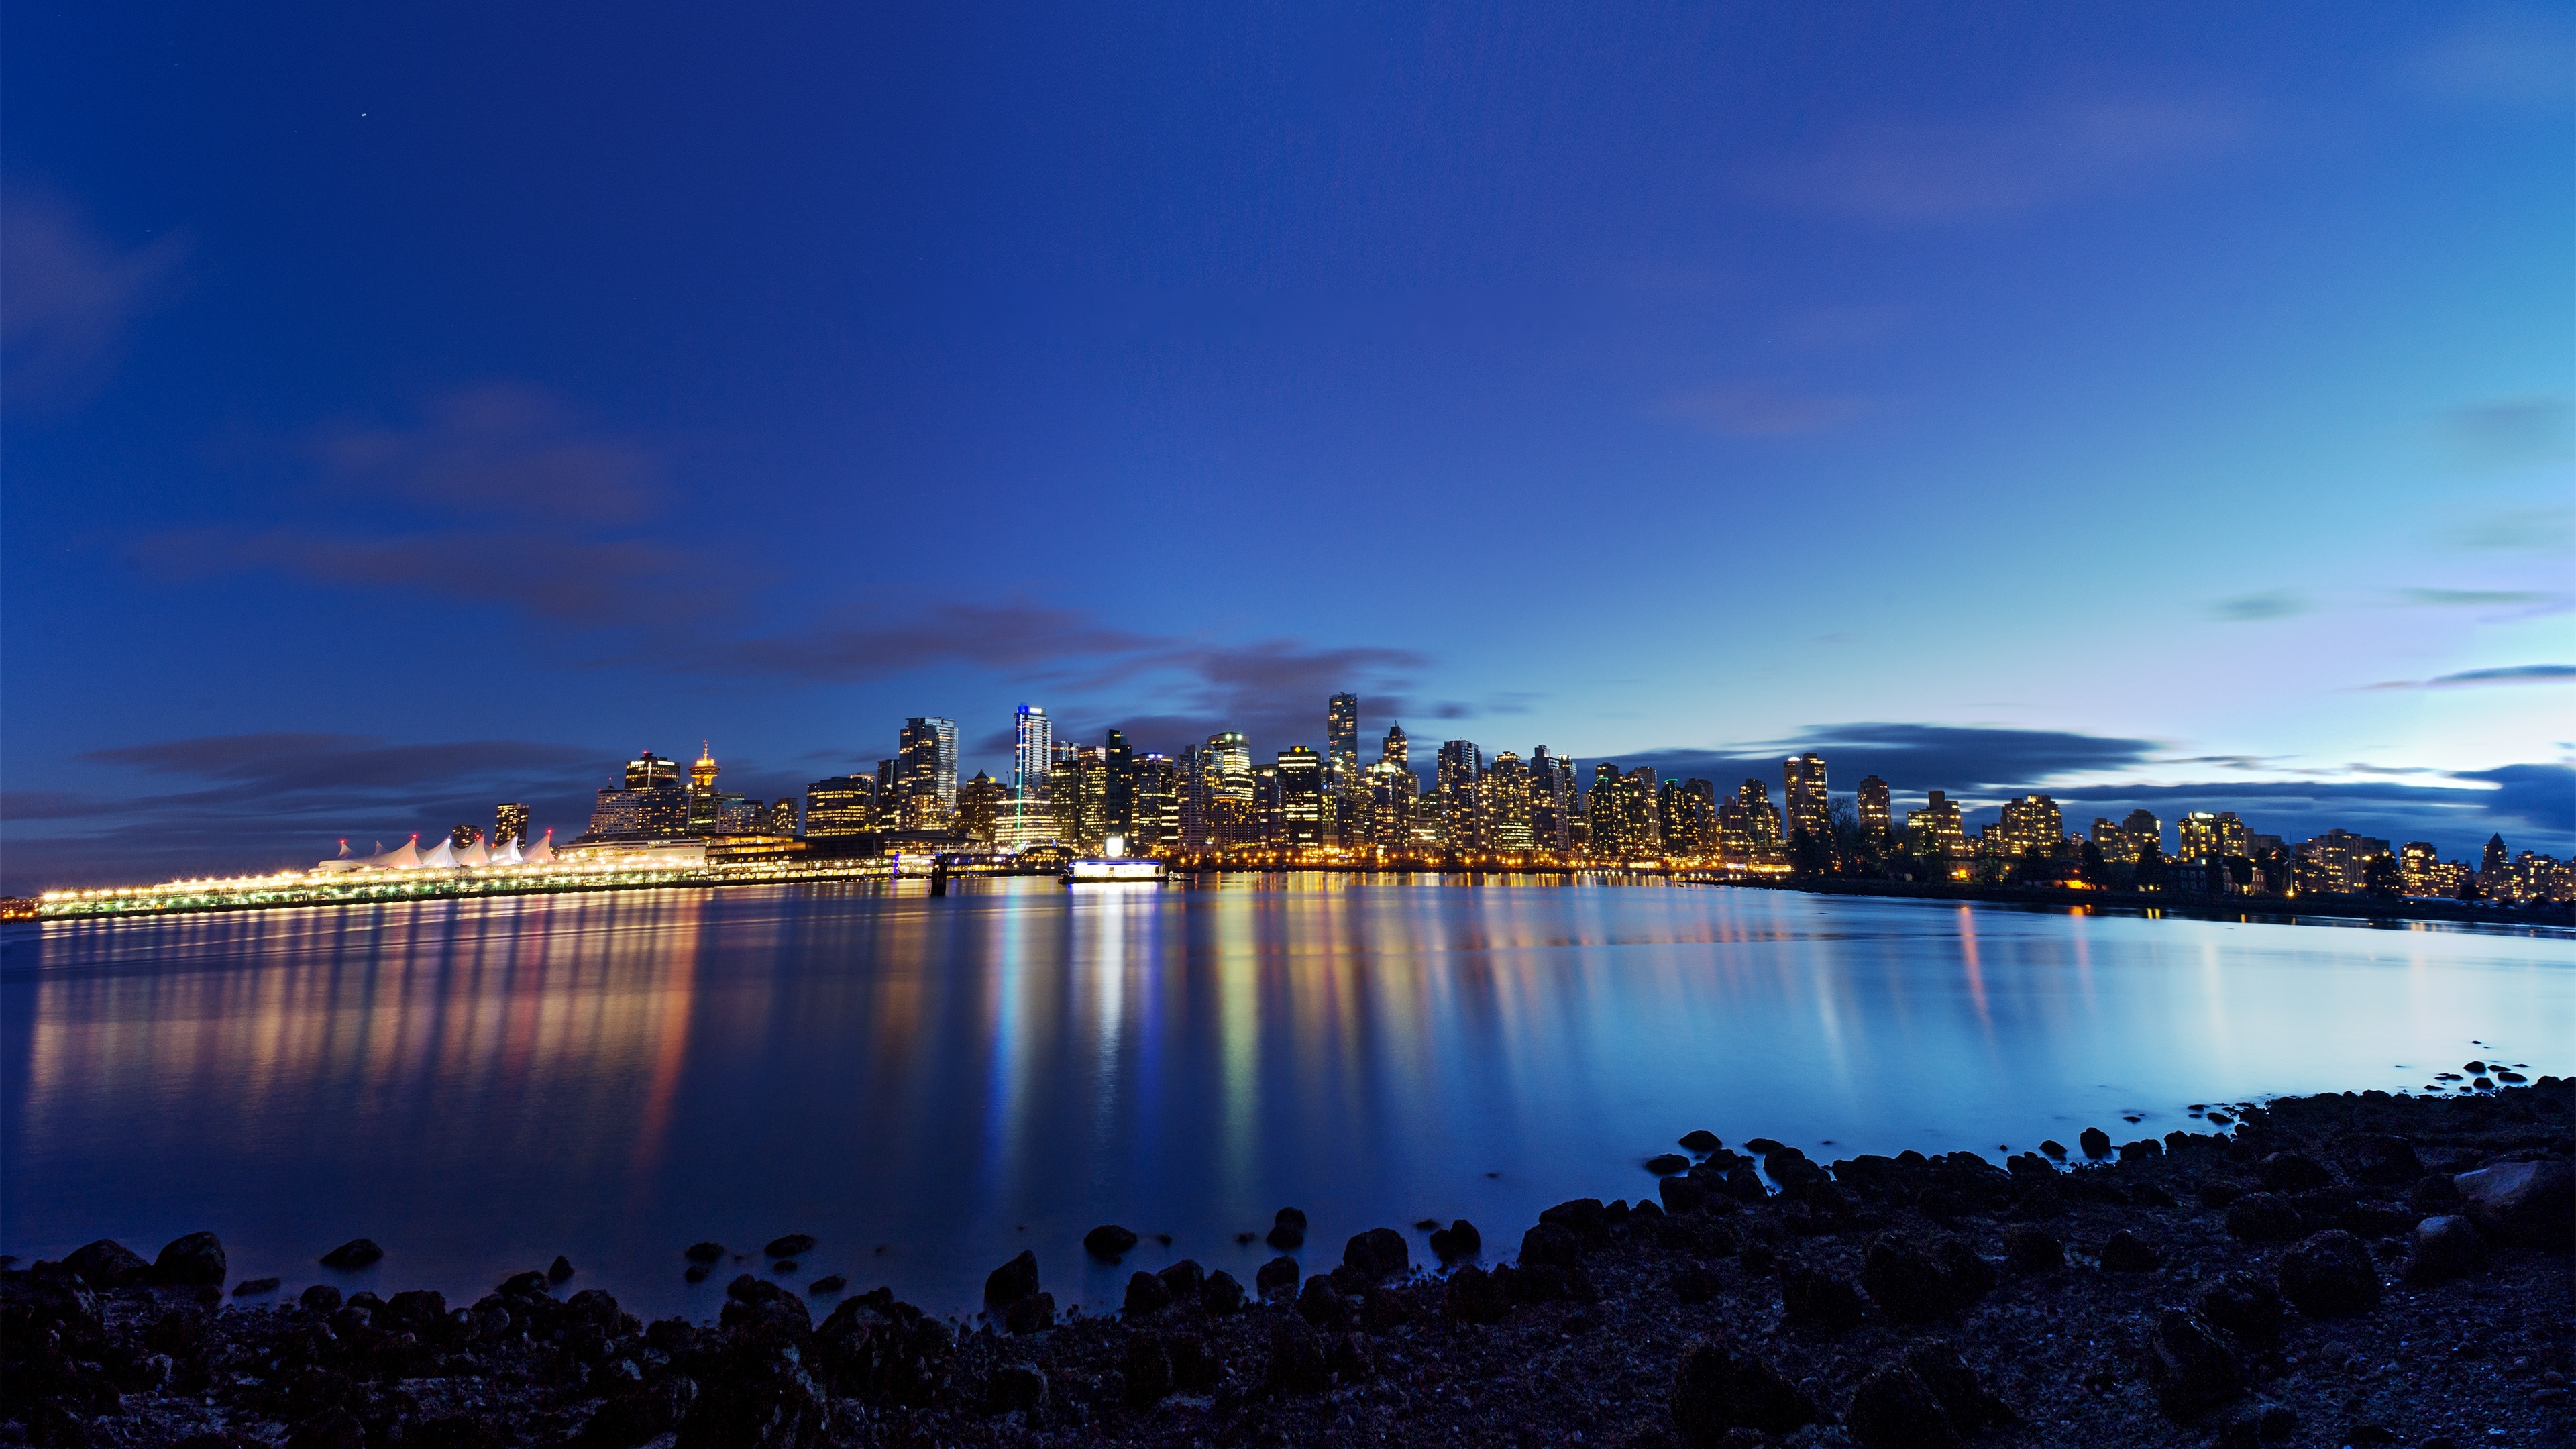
[404,410]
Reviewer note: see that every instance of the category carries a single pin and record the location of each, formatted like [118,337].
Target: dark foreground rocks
[2410,1283]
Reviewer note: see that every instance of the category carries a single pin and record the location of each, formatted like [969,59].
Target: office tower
[1234,819]
[927,753]
[1118,813]
[1937,828]
[1392,750]
[2491,864]
[2420,866]
[1459,766]
[1392,792]
[1809,810]
[1078,796]
[1342,738]
[1551,787]
[1191,804]
[464,835]
[649,770]
[1875,809]
[1637,808]
[1156,791]
[1269,823]
[1762,822]
[1608,824]
[510,822]
[1688,812]
[2232,839]
[2032,823]
[2196,836]
[704,805]
[1033,739]
[1506,801]
[981,805]
[2339,861]
[1300,776]
[2143,830]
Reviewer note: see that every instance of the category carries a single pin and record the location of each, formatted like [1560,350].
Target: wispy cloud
[2253,608]
[2511,56]
[2509,432]
[2521,530]
[1755,410]
[501,448]
[67,295]
[2475,678]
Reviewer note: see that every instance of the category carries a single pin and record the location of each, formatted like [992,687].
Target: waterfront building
[1458,768]
[2112,842]
[649,770]
[1118,808]
[1078,796]
[982,802]
[704,803]
[2031,822]
[1938,829]
[782,817]
[1689,819]
[1193,801]
[840,806]
[926,752]
[510,822]
[1299,777]
[2143,830]
[1809,809]
[1156,784]
[1032,750]
[2339,862]
[2196,836]
[1505,798]
[1875,809]
[1608,824]
[889,813]
[464,835]
[2420,866]
[1233,811]
[1342,739]
[1552,802]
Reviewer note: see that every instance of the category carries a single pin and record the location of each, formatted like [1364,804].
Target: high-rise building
[1607,822]
[1342,739]
[1687,811]
[2339,861]
[510,822]
[2143,830]
[927,756]
[981,804]
[2420,865]
[2491,863]
[2196,836]
[1506,804]
[1392,750]
[2113,842]
[782,816]
[1157,796]
[1033,740]
[1118,783]
[706,805]
[1078,796]
[1937,829]
[2032,822]
[1552,802]
[1300,776]
[1193,802]
[1460,766]
[648,770]
[1876,809]
[1225,764]
[1809,810]
[1637,809]
[464,835]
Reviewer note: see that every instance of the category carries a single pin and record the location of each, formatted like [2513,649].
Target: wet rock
[1894,1409]
[1552,1245]
[1665,1164]
[1182,1280]
[1015,1388]
[1473,1296]
[1904,1281]
[353,1254]
[2125,1252]
[1033,1314]
[1718,1388]
[1108,1242]
[1948,1376]
[249,1286]
[2055,1148]
[1222,1293]
[2219,1192]
[2245,1306]
[794,1245]
[758,1394]
[107,1264]
[1288,1233]
[1319,1304]
[1681,1194]
[2292,1172]
[697,1272]
[1818,1300]
[705,1253]
[560,1270]
[2263,1217]
[790,1266]
[1011,1282]
[2529,1203]
[1146,1293]
[756,1303]
[2033,1250]
[1147,1367]
[831,1283]
[2386,1162]
[1457,1242]
[321,1299]
[1296,1357]
[2443,1247]
[1701,1141]
[2329,1275]
[1384,1310]
[2191,1365]
[197,1258]
[1276,1279]
[1695,1284]
[1585,1217]
[420,1311]
[2094,1141]
[1377,1254]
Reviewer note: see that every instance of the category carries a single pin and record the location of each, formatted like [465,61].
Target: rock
[1474,1297]
[1701,1141]
[794,1245]
[1763,1146]
[2033,1250]
[1033,1314]
[191,1260]
[1285,1237]
[249,1286]
[1320,1304]
[790,1266]
[353,1254]
[2218,1193]
[1146,1293]
[1377,1254]
[1695,1284]
[1550,1244]
[1289,1217]
[1384,1310]
[2244,1306]
[1717,1389]
[2329,1275]
[1681,1194]
[559,1270]
[1182,1280]
[2292,1172]
[1951,1381]
[697,1272]
[2055,1148]
[1665,1164]
[107,1264]
[1015,1388]
[831,1283]
[2191,1365]
[1457,1242]
[705,1253]
[2444,1247]
[1818,1300]
[1108,1242]
[1147,1367]
[2094,1141]
[2386,1162]
[421,1311]
[321,1299]
[1013,1281]
[1221,1293]
[2263,1217]
[2125,1252]
[2528,1203]
[1904,1281]
[1585,1217]
[1894,1409]
[1277,1278]
[1296,1357]
[756,1303]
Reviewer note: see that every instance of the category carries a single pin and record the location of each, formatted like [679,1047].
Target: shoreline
[2421,1244]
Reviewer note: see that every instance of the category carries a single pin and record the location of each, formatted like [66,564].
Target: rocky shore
[2331,1270]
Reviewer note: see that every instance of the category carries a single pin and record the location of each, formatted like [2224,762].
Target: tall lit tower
[1030,753]
[702,772]
[1808,808]
[1342,739]
[1877,812]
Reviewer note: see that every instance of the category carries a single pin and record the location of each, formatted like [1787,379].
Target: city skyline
[2171,408]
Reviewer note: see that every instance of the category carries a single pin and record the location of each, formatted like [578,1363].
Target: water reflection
[482,1084]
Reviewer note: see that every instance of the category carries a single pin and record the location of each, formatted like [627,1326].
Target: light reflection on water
[480,1085]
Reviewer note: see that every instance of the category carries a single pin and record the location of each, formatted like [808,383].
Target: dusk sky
[403,410]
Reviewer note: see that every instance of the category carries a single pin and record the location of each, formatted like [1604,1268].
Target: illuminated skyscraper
[706,806]
[981,805]
[1031,751]
[1937,828]
[1225,765]
[1118,784]
[1301,798]
[1877,811]
[1157,794]
[2032,822]
[782,816]
[1809,809]
[648,770]
[510,822]
[1342,738]
[927,757]
[2143,830]
[464,835]
[1393,750]
[1192,806]
[1552,802]
[1506,801]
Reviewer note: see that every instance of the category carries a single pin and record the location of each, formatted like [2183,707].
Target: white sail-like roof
[474,854]
[443,857]
[405,856]
[508,853]
[543,852]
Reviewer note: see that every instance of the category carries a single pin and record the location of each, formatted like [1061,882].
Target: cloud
[2510,433]
[1959,758]
[589,582]
[1758,411]
[2476,598]
[503,448]
[2532,530]
[46,805]
[2471,678]
[2512,57]
[1955,173]
[2250,608]
[67,295]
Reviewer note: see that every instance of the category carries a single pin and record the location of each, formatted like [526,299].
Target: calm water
[929,1085]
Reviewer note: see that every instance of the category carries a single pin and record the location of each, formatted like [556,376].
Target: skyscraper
[2143,830]
[1225,763]
[1301,797]
[510,822]
[927,756]
[1937,828]
[1193,801]
[839,807]
[1393,750]
[1809,810]
[1342,738]
[1506,802]
[1118,815]
[1876,810]
[1157,795]
[2033,822]
[981,803]
[706,807]
[1033,738]
[648,770]
[1551,792]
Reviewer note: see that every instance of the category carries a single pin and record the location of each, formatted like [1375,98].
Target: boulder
[1033,1314]
[1296,1357]
[1377,1254]
[794,1245]
[1701,1141]
[1108,1242]
[1665,1164]
[2292,1172]
[1383,1310]
[755,1303]
[1013,1281]
[1904,1281]
[1894,1409]
[828,1283]
[1951,1381]
[2094,1141]
[1717,1389]
[705,1253]
[321,1299]
[2191,1365]
[1458,1241]
[2245,1306]
[1474,1297]
[2263,1217]
[2033,1250]
[2126,1252]
[1681,1194]
[1221,1293]
[353,1254]
[2386,1162]
[1585,1217]
[560,1270]
[2529,1203]
[249,1286]
[1320,1304]
[108,1264]
[1182,1280]
[2330,1275]
[1552,1245]
[1818,1300]
[2447,1246]
[197,1258]
[1015,1388]
[1276,1278]
[1147,1367]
